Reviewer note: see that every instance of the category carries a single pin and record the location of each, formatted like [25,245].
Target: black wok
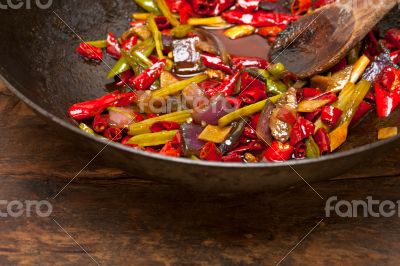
[38,64]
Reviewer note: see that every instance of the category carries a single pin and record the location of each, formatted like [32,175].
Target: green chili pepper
[148,5]
[275,86]
[99,44]
[312,149]
[119,67]
[276,69]
[152,139]
[156,35]
[90,131]
[181,31]
[162,5]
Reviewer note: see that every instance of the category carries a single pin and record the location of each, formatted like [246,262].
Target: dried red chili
[144,80]
[100,123]
[210,7]
[171,149]
[309,93]
[89,52]
[258,18]
[301,130]
[300,150]
[321,137]
[248,5]
[164,125]
[248,61]
[215,62]
[226,87]
[362,111]
[129,43]
[113,47]
[392,36]
[113,133]
[330,115]
[387,91]
[300,7]
[278,152]
[210,152]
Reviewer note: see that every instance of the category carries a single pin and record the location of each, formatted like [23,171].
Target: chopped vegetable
[215,134]
[153,139]
[239,31]
[387,132]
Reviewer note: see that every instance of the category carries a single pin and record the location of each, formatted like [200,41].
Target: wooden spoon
[319,41]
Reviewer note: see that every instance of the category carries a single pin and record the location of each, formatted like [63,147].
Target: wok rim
[290,163]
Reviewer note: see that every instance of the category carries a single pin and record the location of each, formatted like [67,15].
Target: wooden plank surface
[123,220]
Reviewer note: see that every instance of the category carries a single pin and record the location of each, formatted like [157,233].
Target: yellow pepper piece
[239,31]
[338,136]
[205,21]
[215,134]
[387,132]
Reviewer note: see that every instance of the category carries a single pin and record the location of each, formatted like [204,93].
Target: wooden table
[108,217]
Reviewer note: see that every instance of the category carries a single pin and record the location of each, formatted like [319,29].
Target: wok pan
[39,65]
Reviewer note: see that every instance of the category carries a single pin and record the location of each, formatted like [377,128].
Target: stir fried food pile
[180,93]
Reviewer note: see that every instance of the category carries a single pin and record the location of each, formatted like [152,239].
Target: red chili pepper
[271,31]
[125,140]
[249,133]
[89,52]
[226,87]
[125,99]
[164,125]
[254,120]
[392,36]
[129,43]
[144,80]
[210,152]
[313,116]
[88,109]
[252,89]
[171,149]
[251,146]
[321,3]
[395,56]
[387,91]
[247,61]
[232,158]
[210,7]
[362,111]
[185,11]
[278,152]
[300,150]
[309,93]
[326,96]
[124,78]
[138,117]
[235,102]
[258,18]
[137,23]
[301,130]
[113,133]
[330,115]
[323,141]
[100,123]
[299,7]
[215,62]
[248,5]
[113,47]
[286,116]
[252,95]
[209,85]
